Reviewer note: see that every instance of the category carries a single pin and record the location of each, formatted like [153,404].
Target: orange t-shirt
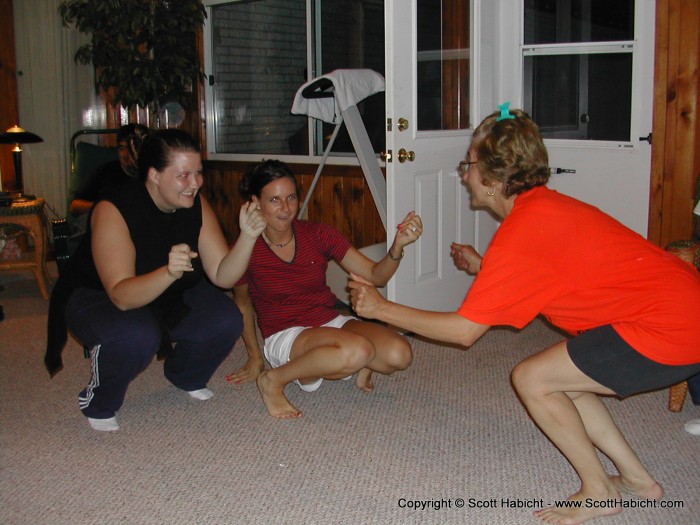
[582,269]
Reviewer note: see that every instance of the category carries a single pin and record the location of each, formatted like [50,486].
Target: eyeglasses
[465,165]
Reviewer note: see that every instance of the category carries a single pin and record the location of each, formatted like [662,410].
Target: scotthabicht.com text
[533,503]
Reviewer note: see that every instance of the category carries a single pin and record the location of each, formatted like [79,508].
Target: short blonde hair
[511,151]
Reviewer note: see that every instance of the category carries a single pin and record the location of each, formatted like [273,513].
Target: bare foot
[580,507]
[277,405]
[650,489]
[363,380]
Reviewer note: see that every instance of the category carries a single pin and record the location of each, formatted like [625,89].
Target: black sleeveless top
[153,233]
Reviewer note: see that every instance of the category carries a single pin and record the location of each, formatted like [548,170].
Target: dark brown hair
[260,175]
[157,148]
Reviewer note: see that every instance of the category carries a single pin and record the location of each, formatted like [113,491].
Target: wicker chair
[689,251]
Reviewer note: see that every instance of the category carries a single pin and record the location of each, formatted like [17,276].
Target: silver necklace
[274,243]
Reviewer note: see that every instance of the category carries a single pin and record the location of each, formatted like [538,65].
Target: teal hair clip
[505,112]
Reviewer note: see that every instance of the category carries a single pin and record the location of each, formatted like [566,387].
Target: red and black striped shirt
[295,293]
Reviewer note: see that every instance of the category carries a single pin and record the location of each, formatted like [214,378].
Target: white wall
[55,97]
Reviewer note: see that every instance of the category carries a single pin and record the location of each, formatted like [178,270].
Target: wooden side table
[30,215]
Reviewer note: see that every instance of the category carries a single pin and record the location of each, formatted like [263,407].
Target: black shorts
[605,357]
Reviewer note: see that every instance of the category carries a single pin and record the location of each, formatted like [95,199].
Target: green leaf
[143,49]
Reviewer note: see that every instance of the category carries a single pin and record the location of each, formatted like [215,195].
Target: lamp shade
[17,135]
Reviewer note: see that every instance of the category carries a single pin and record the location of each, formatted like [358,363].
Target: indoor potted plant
[144,51]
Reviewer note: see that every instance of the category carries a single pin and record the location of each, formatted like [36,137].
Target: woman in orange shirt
[633,310]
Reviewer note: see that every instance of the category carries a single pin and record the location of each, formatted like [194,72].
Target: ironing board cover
[350,86]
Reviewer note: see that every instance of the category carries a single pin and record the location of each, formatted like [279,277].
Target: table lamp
[16,135]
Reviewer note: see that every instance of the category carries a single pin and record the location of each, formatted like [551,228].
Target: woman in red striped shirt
[306,339]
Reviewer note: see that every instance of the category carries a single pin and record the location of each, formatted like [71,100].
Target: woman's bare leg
[328,353]
[392,352]
[335,353]
[546,383]
[606,436]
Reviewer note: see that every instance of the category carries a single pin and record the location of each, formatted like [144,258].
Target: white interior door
[422,173]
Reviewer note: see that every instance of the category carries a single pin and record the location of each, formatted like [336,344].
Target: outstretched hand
[251,220]
[466,257]
[249,372]
[180,260]
[365,298]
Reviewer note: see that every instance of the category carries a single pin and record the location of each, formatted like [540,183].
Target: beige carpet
[450,427]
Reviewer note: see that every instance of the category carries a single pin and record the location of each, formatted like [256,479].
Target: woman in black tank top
[147,280]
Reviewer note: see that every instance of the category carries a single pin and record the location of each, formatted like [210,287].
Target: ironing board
[339,92]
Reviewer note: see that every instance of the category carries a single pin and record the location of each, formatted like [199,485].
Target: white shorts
[279,345]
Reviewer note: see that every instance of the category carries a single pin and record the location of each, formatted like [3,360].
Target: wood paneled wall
[676,131]
[455,76]
[341,199]
[8,91]
[191,124]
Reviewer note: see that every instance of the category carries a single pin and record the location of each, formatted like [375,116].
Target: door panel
[614,180]
[428,88]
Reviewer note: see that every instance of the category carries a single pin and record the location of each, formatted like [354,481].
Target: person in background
[146,279]
[693,426]
[306,339]
[110,175]
[632,309]
[113,173]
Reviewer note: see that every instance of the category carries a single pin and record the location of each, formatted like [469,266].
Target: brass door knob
[403,124]
[406,155]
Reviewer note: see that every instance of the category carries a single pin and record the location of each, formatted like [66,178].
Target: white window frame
[621,46]
[340,159]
